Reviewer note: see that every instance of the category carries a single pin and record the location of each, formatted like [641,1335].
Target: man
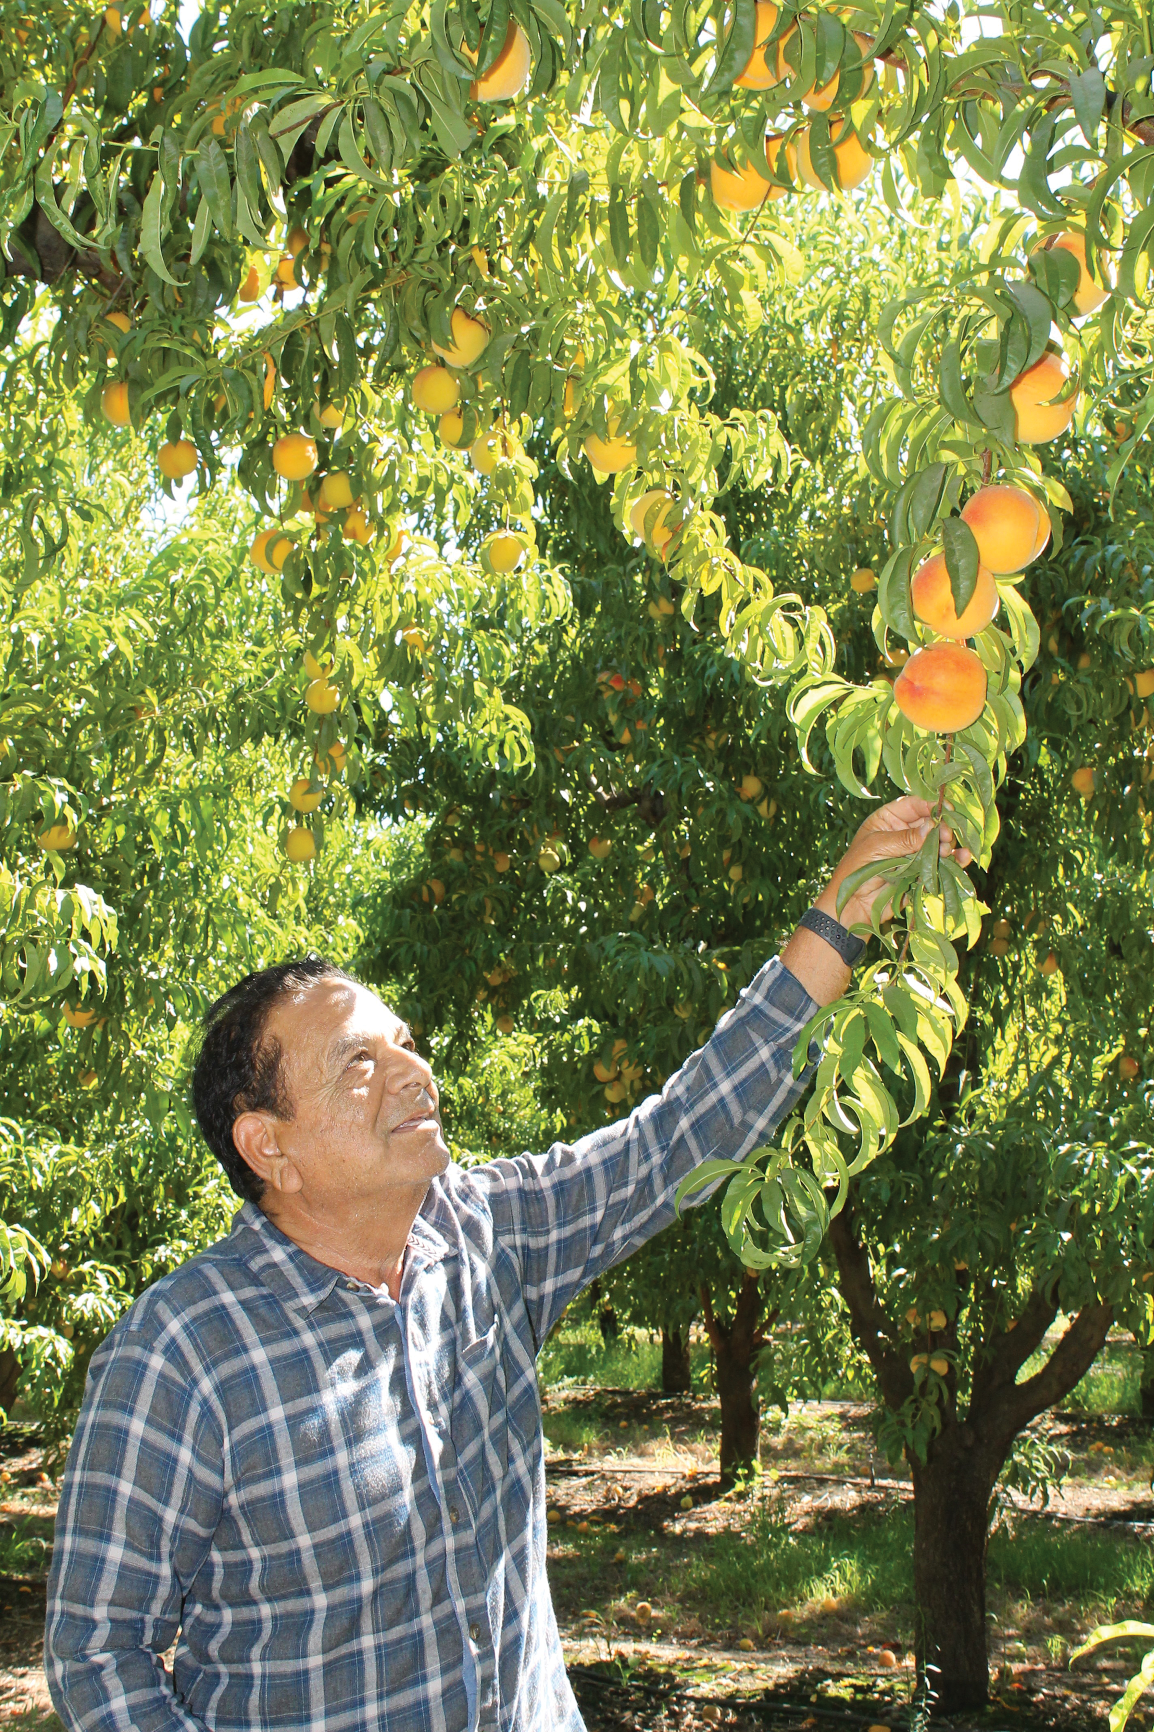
[314,1452]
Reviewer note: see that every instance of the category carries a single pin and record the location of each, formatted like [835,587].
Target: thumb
[893,843]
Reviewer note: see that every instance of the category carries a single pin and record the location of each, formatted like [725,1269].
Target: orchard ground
[789,1602]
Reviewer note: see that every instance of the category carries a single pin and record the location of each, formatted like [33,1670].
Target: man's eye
[362,1058]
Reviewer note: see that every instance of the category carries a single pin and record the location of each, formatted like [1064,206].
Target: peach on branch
[612,454]
[1089,295]
[942,688]
[435,390]
[509,73]
[336,492]
[853,160]
[294,456]
[654,507]
[1082,782]
[1009,525]
[300,845]
[933,600]
[270,550]
[469,339]
[863,580]
[744,188]
[176,459]
[1037,417]
[114,403]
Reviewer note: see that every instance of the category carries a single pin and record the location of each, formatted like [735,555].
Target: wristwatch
[840,937]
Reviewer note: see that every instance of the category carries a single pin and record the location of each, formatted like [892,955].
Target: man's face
[366,1118]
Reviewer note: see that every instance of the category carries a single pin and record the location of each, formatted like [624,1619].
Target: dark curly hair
[238,1071]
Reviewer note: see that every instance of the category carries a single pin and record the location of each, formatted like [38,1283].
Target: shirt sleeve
[140,1501]
[580,1208]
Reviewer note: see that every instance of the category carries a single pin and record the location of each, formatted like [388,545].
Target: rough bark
[951,1518]
[953,1485]
[676,1376]
[9,1379]
[735,1347]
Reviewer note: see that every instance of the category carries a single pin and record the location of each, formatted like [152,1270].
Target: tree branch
[868,1321]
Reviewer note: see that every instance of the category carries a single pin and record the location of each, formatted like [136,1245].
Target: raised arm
[138,1507]
[580,1208]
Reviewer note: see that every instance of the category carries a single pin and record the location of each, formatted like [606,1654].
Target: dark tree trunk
[10,1369]
[1146,1385]
[952,1486]
[735,1347]
[676,1375]
[951,1513]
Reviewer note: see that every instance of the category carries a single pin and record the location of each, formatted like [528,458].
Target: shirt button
[454,1514]
[474,1632]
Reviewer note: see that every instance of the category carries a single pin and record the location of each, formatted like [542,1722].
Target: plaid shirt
[338,1500]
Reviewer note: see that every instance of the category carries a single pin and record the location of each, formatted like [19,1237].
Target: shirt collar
[299,1279]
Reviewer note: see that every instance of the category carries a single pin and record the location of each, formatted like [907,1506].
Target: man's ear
[256,1140]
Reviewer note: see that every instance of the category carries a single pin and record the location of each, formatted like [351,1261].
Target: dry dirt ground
[637,1667]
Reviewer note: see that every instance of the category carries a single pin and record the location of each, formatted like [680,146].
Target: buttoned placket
[463,1566]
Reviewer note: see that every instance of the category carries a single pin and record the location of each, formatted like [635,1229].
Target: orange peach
[942,688]
[745,188]
[934,602]
[1037,418]
[1007,523]
[758,73]
[1089,295]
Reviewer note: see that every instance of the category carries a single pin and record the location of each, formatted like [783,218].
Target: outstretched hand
[894,830]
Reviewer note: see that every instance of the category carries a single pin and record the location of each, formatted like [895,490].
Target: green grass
[760,1573]
[26,1548]
[1100,1571]
[578,1355]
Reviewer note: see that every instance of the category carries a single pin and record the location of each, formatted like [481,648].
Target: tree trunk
[951,1511]
[1146,1385]
[676,1375]
[735,1347]
[952,1486]
[10,1369]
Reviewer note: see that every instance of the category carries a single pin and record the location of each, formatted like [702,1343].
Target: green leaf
[737,48]
[961,561]
[215,184]
[151,228]
[1088,94]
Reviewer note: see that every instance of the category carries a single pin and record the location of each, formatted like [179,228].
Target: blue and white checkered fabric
[338,1500]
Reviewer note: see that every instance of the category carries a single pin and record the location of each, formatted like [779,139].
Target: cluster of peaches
[943,687]
[768,64]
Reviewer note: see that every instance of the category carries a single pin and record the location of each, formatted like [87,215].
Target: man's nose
[410,1071]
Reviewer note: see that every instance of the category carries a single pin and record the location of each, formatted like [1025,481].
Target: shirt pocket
[479,1424]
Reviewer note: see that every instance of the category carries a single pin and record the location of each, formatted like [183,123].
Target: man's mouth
[426,1119]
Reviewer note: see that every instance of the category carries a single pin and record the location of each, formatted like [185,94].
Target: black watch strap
[840,937]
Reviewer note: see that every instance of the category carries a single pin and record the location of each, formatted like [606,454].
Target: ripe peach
[294,456]
[1083,782]
[610,455]
[176,459]
[758,73]
[1089,295]
[744,188]
[854,162]
[942,688]
[469,339]
[863,580]
[435,390]
[509,73]
[300,845]
[1128,1068]
[1050,966]
[650,506]
[114,403]
[1037,418]
[934,602]
[1007,523]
